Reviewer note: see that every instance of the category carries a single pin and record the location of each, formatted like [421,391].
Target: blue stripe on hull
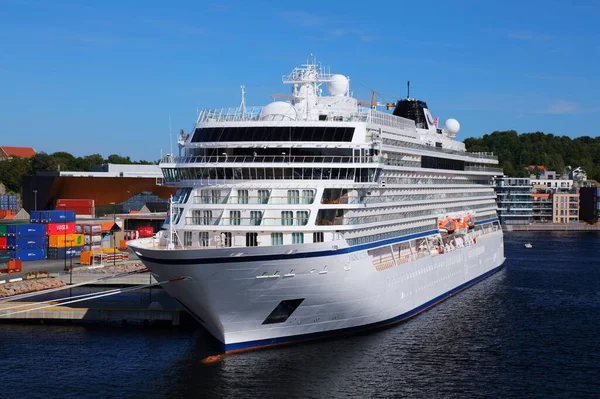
[264,258]
[250,345]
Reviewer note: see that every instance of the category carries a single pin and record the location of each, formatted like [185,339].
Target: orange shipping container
[62,241]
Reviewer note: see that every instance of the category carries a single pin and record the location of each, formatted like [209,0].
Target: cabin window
[297,238]
[287,218]
[242,196]
[251,239]
[203,239]
[318,237]
[235,218]
[276,238]
[302,218]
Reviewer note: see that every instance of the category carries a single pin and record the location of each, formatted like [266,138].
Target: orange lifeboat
[469,222]
[447,225]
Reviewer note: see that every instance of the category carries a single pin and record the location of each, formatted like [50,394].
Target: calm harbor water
[531,330]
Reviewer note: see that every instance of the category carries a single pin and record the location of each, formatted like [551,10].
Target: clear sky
[103,76]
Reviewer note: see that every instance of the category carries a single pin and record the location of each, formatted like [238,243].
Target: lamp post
[35,200]
[114,204]
[64,207]
[70,260]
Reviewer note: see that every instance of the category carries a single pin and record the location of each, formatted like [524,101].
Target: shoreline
[550,227]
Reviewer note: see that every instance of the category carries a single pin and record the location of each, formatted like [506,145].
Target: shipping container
[61,253]
[27,242]
[60,241]
[3,230]
[2,242]
[15,265]
[92,248]
[25,230]
[132,234]
[35,217]
[92,229]
[29,254]
[76,203]
[60,228]
[57,216]
[92,239]
[146,231]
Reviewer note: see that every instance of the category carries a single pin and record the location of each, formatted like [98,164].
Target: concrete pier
[93,313]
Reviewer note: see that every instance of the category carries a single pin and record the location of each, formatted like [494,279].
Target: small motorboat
[528,245]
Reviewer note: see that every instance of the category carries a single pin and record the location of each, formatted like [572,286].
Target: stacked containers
[8,202]
[4,253]
[62,240]
[92,234]
[81,207]
[26,242]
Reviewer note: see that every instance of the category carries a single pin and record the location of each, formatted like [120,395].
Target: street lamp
[34,200]
[70,260]
[64,207]
[114,204]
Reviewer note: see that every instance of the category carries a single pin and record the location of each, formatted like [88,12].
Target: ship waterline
[317,217]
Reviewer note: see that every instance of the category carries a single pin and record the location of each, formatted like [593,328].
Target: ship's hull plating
[342,293]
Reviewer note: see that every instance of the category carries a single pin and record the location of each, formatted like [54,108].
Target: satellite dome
[452,126]
[338,85]
[278,111]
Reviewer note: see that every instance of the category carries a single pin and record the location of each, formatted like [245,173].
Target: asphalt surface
[50,266]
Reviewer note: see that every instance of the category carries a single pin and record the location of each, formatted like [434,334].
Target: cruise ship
[321,215]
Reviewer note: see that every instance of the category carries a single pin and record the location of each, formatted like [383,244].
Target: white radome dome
[452,126]
[338,85]
[278,111]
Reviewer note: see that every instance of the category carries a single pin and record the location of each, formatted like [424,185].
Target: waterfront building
[128,186]
[565,208]
[589,202]
[556,185]
[514,200]
[542,208]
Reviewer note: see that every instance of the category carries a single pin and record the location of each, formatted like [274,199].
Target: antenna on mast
[408,89]
[170,135]
[243,104]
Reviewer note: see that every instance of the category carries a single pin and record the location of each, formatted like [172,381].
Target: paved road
[50,266]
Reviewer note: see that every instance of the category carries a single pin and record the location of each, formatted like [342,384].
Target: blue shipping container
[57,216]
[61,253]
[27,242]
[34,217]
[29,254]
[25,230]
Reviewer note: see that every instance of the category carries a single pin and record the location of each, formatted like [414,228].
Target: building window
[242,196]
[234,218]
[287,218]
[318,237]
[308,196]
[203,239]
[276,238]
[255,218]
[293,197]
[206,217]
[302,218]
[226,239]
[297,238]
[187,238]
[263,196]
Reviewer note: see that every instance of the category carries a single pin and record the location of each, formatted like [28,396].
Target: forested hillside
[515,151]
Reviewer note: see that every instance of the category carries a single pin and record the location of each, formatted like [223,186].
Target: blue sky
[89,77]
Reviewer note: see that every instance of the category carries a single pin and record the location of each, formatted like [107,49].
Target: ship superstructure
[316,215]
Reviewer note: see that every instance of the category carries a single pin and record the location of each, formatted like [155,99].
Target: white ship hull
[232,291]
